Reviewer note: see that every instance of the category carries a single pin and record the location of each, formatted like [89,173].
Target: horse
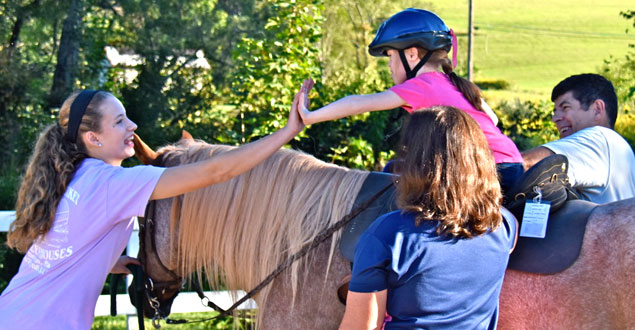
[238,231]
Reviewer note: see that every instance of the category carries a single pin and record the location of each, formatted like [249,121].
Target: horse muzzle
[156,298]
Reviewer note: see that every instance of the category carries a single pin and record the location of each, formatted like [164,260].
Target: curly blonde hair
[448,173]
[50,170]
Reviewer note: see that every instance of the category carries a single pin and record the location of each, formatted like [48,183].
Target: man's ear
[599,109]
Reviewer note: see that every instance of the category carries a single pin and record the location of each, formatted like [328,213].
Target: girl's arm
[350,105]
[185,178]
[364,310]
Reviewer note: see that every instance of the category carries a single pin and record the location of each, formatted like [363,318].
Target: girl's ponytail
[50,170]
[469,90]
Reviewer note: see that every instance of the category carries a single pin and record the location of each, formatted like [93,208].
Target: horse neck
[240,230]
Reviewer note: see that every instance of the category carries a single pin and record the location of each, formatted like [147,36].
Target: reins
[151,287]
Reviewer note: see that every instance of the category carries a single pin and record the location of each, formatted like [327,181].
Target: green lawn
[225,323]
[535,44]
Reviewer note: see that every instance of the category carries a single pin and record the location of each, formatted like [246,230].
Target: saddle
[548,178]
[384,204]
[556,252]
[568,216]
[560,247]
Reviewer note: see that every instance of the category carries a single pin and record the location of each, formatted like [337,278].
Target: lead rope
[139,290]
[306,249]
[324,235]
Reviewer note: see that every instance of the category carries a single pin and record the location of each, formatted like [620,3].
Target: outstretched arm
[351,105]
[364,310]
[185,178]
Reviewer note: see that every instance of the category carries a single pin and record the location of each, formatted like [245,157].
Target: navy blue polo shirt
[433,282]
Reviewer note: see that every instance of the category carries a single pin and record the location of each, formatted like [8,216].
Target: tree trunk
[67,55]
[23,14]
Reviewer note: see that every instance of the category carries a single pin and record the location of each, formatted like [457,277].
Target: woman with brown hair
[76,206]
[439,261]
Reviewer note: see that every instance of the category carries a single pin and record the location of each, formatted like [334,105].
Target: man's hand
[533,156]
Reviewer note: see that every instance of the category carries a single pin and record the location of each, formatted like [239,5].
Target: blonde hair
[448,173]
[239,231]
[49,171]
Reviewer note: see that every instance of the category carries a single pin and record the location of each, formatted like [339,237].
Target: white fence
[185,302]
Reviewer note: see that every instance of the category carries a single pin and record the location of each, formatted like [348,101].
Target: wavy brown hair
[448,173]
[50,170]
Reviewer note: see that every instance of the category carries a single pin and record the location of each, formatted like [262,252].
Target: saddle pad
[384,204]
[561,246]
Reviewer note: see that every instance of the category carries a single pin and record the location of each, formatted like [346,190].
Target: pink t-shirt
[63,273]
[435,88]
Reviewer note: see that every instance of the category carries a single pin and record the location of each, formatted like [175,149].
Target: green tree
[621,72]
[527,123]
[270,66]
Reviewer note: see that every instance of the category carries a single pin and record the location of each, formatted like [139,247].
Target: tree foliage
[621,72]
[225,70]
[271,65]
[527,123]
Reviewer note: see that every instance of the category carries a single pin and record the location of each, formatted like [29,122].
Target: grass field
[224,323]
[535,44]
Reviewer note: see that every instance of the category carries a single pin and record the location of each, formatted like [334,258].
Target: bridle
[149,297]
[147,231]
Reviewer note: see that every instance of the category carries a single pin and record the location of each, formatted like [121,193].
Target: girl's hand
[122,262]
[300,101]
[303,106]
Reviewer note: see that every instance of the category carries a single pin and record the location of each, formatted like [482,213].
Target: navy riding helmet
[408,28]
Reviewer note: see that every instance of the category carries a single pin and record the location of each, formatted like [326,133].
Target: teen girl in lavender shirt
[76,203]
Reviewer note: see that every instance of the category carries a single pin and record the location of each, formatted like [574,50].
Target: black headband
[77,112]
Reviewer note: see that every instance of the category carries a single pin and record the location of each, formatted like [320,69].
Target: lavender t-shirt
[63,273]
[435,88]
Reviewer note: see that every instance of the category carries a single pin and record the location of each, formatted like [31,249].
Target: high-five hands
[300,101]
[303,106]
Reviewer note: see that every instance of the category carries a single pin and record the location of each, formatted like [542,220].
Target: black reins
[150,287]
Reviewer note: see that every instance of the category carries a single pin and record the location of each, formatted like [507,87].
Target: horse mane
[237,232]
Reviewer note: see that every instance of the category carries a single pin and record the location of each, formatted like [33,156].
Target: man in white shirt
[601,162]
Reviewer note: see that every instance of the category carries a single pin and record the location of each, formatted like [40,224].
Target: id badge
[535,219]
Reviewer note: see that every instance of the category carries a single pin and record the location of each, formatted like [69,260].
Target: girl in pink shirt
[75,207]
[417,43]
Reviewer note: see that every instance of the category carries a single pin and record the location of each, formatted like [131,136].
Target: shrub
[497,84]
[527,123]
[625,125]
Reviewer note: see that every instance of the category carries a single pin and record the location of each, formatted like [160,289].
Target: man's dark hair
[587,88]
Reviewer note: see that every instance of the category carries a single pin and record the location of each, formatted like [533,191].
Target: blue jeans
[508,174]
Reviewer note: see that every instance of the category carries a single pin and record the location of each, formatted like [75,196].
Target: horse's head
[162,283]
[156,245]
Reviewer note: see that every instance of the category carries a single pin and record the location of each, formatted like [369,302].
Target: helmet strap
[412,73]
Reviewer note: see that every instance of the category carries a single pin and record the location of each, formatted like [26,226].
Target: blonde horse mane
[239,231]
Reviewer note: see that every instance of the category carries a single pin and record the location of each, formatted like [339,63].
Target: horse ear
[143,152]
[185,135]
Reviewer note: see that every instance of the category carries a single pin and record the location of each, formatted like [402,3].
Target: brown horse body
[594,293]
